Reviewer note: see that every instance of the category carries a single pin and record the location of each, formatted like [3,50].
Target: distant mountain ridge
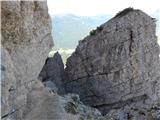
[69,29]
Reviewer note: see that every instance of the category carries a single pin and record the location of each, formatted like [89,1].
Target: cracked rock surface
[115,69]
[117,64]
[26,41]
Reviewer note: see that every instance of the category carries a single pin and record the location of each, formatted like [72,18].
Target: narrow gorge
[114,73]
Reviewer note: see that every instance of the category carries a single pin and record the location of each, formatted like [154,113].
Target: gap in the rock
[74,21]
[68,29]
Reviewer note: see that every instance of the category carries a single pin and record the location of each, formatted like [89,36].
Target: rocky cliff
[117,64]
[26,42]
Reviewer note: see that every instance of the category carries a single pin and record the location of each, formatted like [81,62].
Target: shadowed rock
[53,71]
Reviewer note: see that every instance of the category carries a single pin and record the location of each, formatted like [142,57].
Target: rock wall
[26,41]
[117,64]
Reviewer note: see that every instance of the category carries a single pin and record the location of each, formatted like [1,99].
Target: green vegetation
[81,118]
[74,98]
[93,32]
[89,117]
[141,112]
[156,106]
[124,12]
[36,6]
[70,108]
[100,28]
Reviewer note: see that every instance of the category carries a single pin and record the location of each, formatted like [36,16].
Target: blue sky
[96,7]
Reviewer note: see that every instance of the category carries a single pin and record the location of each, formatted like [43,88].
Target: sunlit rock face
[118,64]
[26,41]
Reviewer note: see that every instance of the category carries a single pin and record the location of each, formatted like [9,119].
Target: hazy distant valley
[68,29]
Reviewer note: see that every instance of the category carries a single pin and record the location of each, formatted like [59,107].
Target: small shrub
[93,32]
[89,117]
[155,107]
[142,112]
[124,12]
[100,28]
[70,108]
[74,98]
[81,118]
[36,6]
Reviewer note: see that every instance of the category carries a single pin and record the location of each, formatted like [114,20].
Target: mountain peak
[124,12]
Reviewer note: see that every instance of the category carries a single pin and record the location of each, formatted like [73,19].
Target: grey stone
[51,86]
[26,42]
[116,67]
[44,105]
[117,64]
[134,113]
[53,70]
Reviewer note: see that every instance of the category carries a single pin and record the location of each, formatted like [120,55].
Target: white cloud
[67,51]
[61,51]
[94,7]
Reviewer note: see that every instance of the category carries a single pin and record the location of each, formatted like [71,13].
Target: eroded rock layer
[117,64]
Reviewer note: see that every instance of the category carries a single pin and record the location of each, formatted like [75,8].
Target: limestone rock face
[26,35]
[26,41]
[118,64]
[53,72]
